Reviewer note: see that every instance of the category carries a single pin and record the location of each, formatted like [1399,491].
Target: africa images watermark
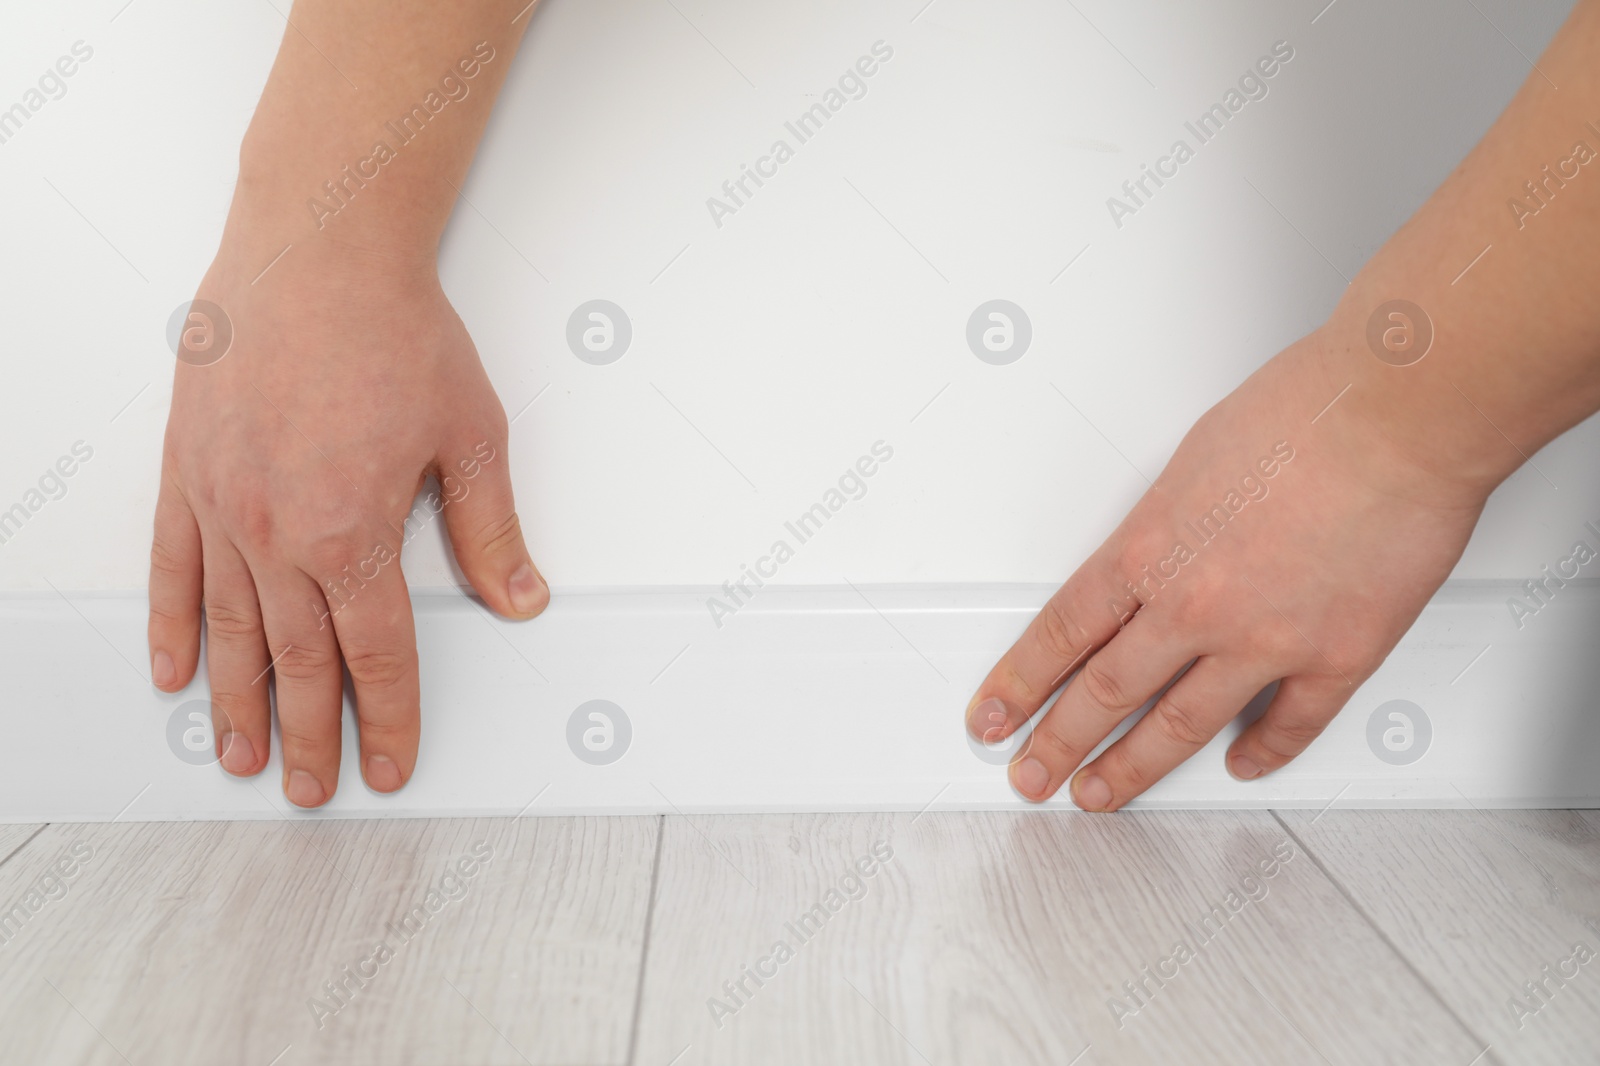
[852,85]
[849,889]
[349,982]
[738,592]
[1542,190]
[1539,592]
[52,85]
[453,88]
[338,592]
[1252,85]
[49,887]
[1537,994]
[52,486]
[1207,528]
[1198,935]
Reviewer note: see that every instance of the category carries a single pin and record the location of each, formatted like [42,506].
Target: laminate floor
[1450,937]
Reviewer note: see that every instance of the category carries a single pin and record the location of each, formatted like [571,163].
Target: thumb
[485,533]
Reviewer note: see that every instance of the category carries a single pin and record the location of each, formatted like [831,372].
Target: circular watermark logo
[994,751]
[199,332]
[1399,332]
[599,332]
[1399,732]
[190,733]
[599,732]
[999,332]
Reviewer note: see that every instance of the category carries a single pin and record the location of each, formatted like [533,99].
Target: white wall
[805,328]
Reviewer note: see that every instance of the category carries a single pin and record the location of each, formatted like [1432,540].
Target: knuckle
[1013,684]
[1180,722]
[232,623]
[1137,564]
[1344,656]
[502,533]
[1130,779]
[229,705]
[378,668]
[328,553]
[382,733]
[248,520]
[1128,557]
[1283,643]
[1058,634]
[322,525]
[167,616]
[302,737]
[1104,688]
[1054,750]
[167,560]
[1290,737]
[302,662]
[1189,610]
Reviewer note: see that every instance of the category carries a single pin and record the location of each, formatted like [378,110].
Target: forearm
[368,124]
[1515,357]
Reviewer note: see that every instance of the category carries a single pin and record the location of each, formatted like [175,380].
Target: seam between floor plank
[1394,948]
[18,849]
[644,947]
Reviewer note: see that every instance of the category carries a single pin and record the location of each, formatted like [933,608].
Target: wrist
[1411,431]
[1427,375]
[269,248]
[293,192]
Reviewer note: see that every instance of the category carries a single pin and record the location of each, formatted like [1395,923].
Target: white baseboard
[807,699]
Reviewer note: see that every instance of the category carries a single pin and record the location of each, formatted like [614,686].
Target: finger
[1116,681]
[176,587]
[377,637]
[236,660]
[1296,716]
[310,681]
[485,532]
[1183,721]
[1083,614]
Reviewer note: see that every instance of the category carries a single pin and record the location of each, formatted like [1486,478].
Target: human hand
[1324,560]
[1327,549]
[288,476]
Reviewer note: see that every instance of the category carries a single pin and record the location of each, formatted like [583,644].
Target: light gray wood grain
[1480,902]
[1003,937]
[13,837]
[205,942]
[985,937]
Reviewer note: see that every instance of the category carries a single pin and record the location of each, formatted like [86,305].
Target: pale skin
[1315,584]
[352,379]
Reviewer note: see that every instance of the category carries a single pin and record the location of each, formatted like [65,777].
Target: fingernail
[238,754]
[304,790]
[1091,793]
[162,670]
[1031,778]
[382,774]
[1244,769]
[527,592]
[987,720]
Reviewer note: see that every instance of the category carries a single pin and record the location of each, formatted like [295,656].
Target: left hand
[1325,542]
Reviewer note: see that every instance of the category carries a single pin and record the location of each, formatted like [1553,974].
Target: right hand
[288,475]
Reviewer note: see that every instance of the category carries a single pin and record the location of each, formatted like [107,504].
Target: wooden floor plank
[1004,937]
[12,837]
[1481,903]
[519,941]
[982,937]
